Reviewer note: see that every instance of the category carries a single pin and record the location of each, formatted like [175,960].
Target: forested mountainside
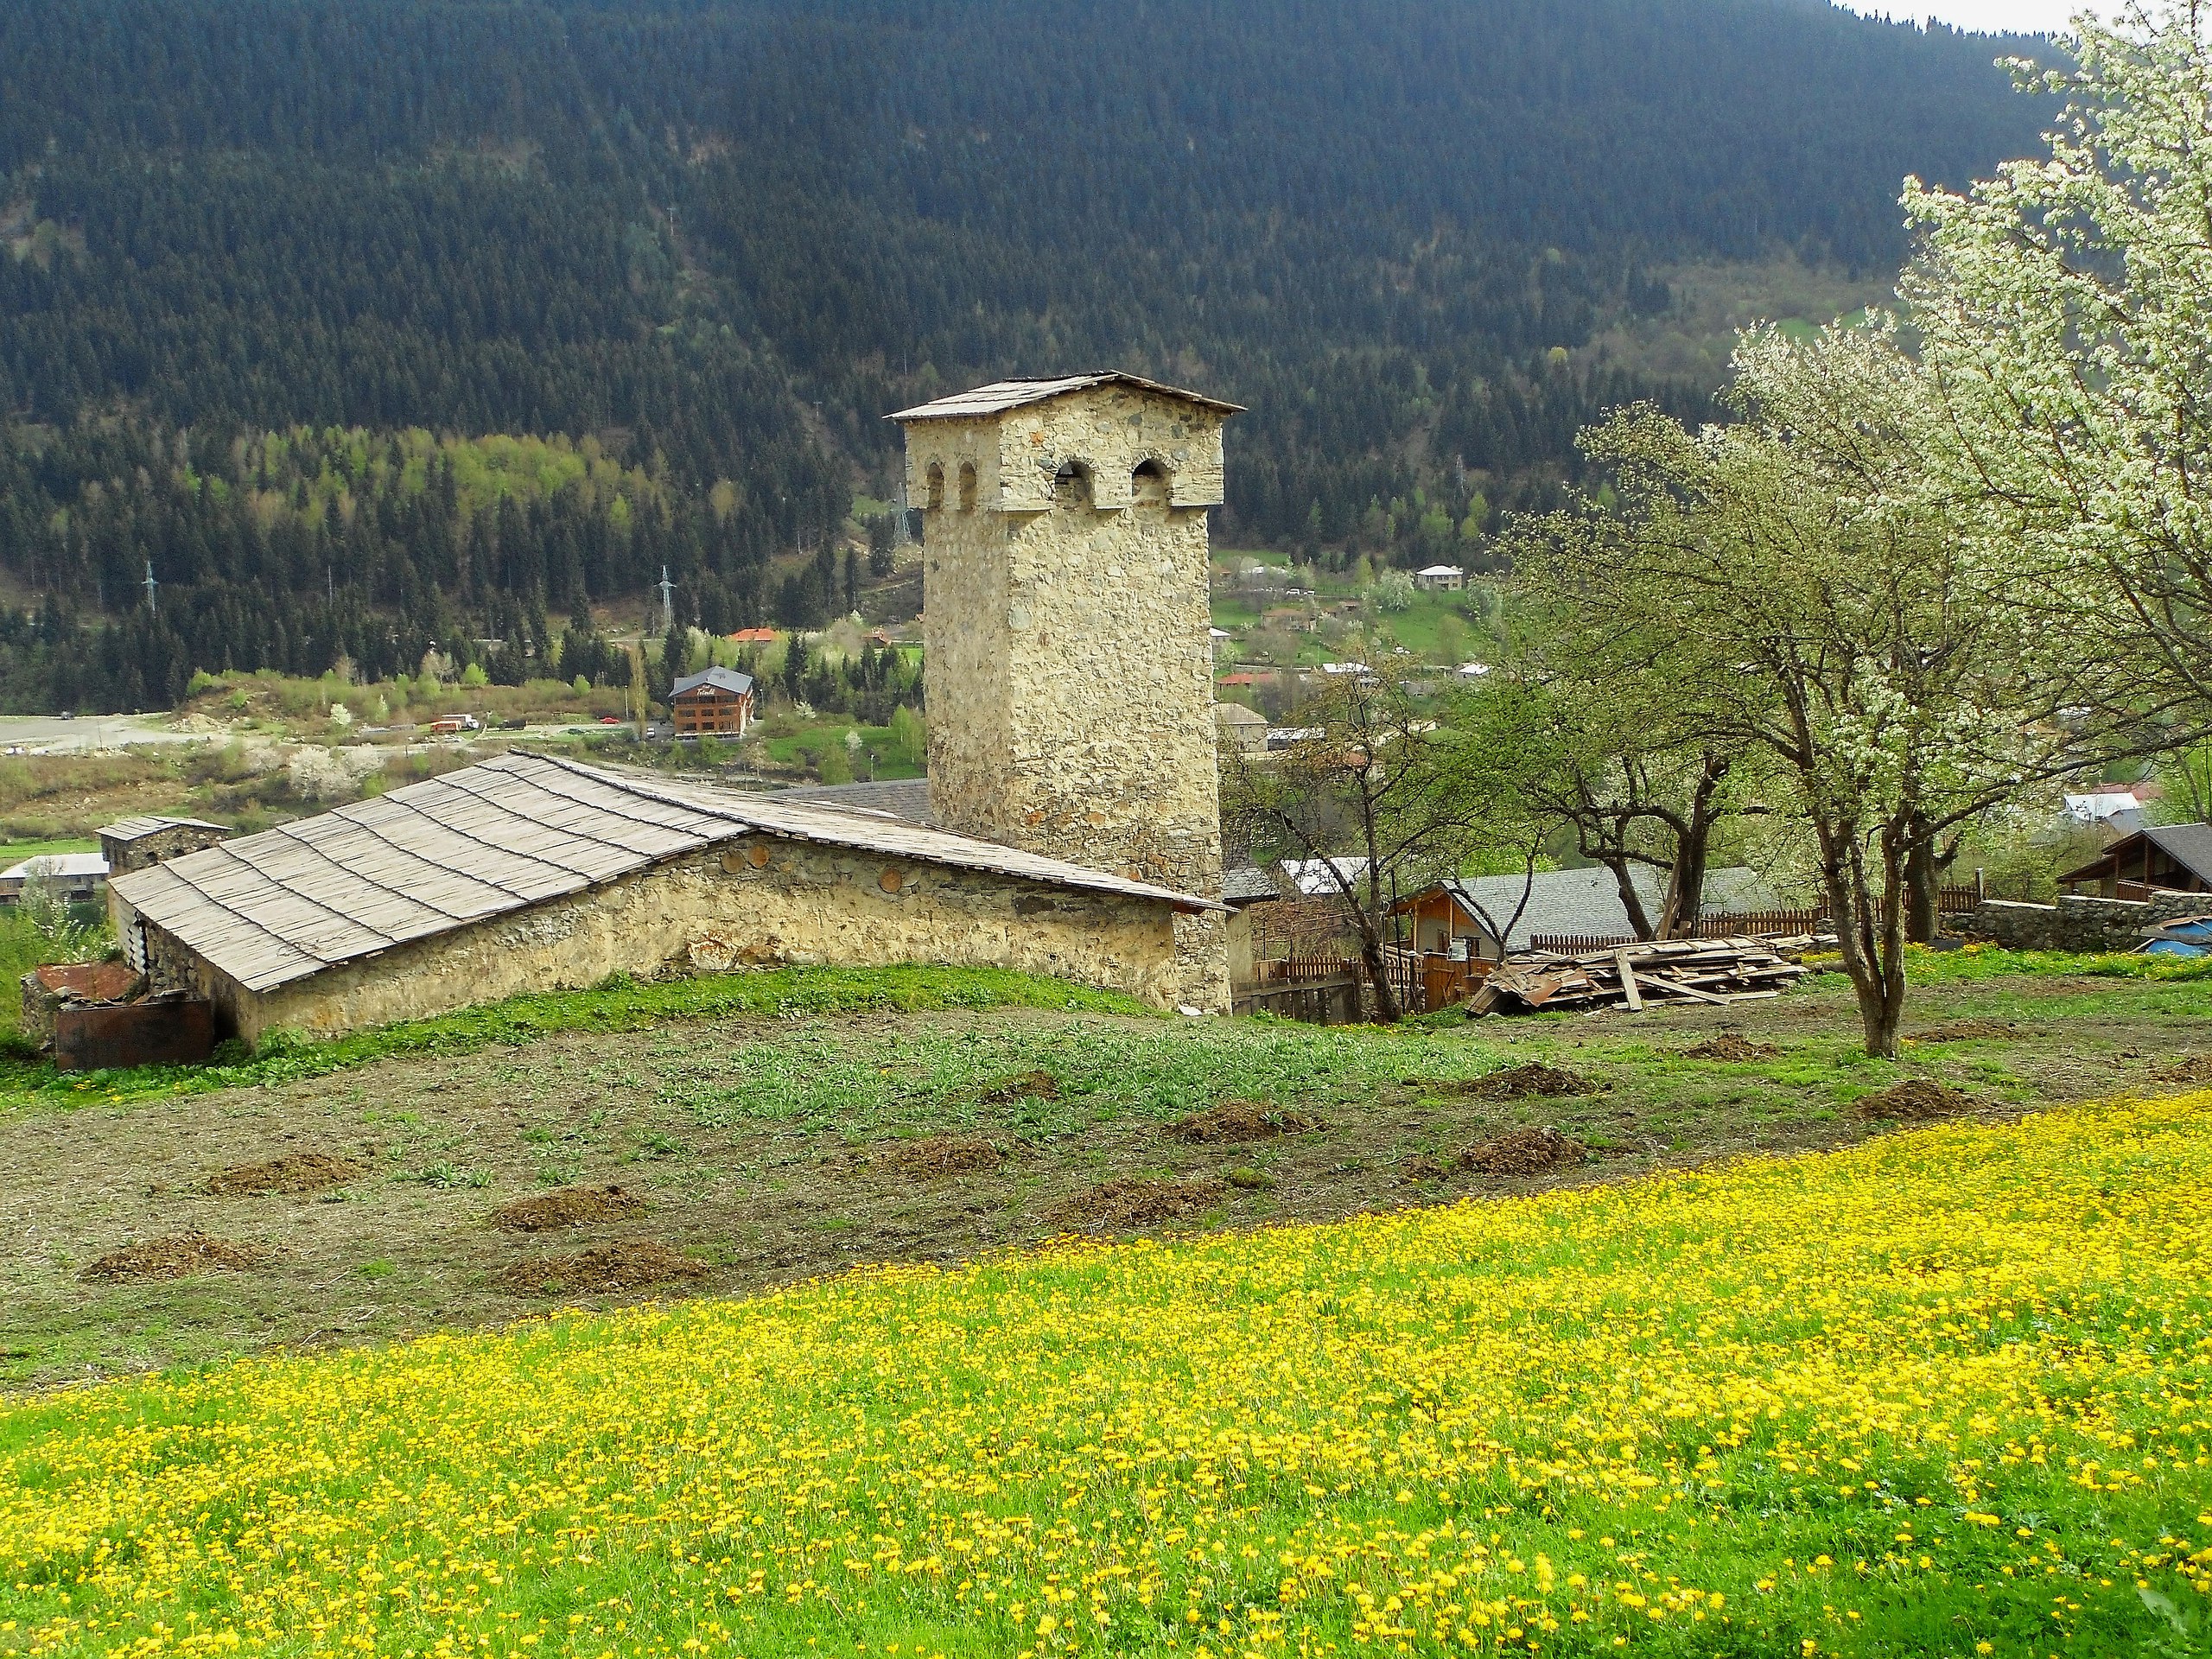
[720,240]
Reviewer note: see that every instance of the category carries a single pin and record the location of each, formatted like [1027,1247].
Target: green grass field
[16,852]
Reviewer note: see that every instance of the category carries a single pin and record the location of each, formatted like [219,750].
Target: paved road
[47,734]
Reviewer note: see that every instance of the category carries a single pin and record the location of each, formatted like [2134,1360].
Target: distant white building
[1471,670]
[1313,877]
[1442,578]
[2101,806]
[77,878]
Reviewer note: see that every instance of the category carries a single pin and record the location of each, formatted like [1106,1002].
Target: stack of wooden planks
[1717,971]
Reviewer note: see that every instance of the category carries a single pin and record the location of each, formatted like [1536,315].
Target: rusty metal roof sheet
[499,836]
[1001,394]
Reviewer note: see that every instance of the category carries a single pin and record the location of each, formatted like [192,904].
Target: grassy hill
[1940,1393]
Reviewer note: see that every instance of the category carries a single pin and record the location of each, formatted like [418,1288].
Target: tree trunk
[1869,930]
[1922,873]
[1639,921]
[1685,903]
[1387,1011]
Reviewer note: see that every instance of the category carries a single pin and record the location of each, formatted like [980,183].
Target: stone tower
[1068,665]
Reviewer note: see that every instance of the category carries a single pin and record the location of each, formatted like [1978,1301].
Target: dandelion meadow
[1940,1393]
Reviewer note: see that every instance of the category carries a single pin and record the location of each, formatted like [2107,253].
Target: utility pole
[150,585]
[667,600]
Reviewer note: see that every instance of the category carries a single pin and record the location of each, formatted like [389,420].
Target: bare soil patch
[173,1257]
[295,1172]
[570,1206]
[1134,1201]
[1234,1121]
[1532,1079]
[1965,1030]
[1028,1085]
[1524,1152]
[942,1155]
[2192,1068]
[1732,1046]
[636,1265]
[1916,1100]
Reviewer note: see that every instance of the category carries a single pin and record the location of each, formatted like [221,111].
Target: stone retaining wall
[2081,922]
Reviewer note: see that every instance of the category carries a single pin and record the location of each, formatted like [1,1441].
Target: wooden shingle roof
[495,838]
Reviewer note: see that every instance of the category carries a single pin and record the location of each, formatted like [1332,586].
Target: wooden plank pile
[1715,971]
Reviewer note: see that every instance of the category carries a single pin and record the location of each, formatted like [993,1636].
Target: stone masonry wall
[750,903]
[1068,660]
[2078,923]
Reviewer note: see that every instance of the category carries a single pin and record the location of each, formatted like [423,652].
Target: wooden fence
[1752,924]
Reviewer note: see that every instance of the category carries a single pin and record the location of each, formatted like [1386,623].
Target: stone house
[525,873]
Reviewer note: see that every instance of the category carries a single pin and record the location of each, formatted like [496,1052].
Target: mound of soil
[632,1266]
[1030,1085]
[1423,1167]
[1916,1100]
[567,1206]
[1133,1201]
[295,1172]
[173,1257]
[1235,1120]
[1531,1079]
[942,1155]
[2190,1069]
[1964,1031]
[1524,1152]
[1730,1045]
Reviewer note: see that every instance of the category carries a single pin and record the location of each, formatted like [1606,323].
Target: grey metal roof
[2188,845]
[138,828]
[906,798]
[59,865]
[729,679]
[1249,885]
[1001,394]
[1587,903]
[499,836]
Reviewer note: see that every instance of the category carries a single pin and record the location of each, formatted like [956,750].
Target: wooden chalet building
[717,702]
[2157,858]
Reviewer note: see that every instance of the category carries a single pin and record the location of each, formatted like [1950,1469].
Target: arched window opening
[1149,485]
[936,486]
[1072,485]
[966,486]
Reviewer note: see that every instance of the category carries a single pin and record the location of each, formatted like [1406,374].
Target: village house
[1069,832]
[1485,918]
[2156,858]
[1242,729]
[753,637]
[716,702]
[72,877]
[1440,579]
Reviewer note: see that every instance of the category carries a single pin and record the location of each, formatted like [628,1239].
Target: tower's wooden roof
[1002,394]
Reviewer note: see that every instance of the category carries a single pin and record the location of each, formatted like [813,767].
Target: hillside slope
[727,238]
